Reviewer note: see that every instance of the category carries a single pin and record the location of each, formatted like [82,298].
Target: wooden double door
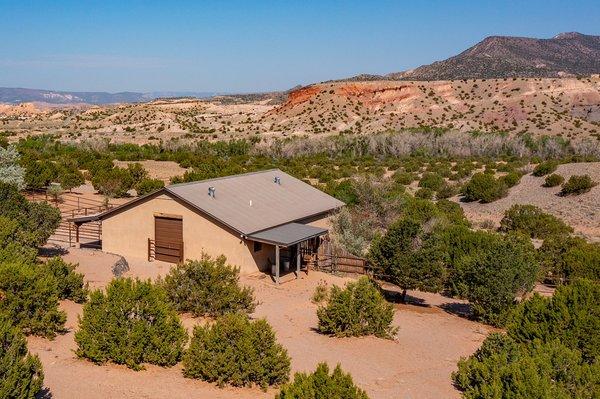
[168,238]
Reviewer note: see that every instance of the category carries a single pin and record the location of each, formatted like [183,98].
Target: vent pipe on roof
[211,192]
[277,180]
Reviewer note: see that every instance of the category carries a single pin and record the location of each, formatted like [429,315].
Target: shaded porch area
[296,247]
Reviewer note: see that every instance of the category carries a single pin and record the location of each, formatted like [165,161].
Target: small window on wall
[257,246]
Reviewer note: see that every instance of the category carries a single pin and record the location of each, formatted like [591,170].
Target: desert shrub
[321,384]
[70,177]
[113,182]
[432,181]
[147,186]
[544,168]
[321,293]
[344,191]
[237,351]
[396,259]
[571,315]
[21,374]
[502,368]
[356,310]
[36,221]
[70,283]
[577,185]
[11,250]
[208,287]
[553,180]
[137,173]
[495,277]
[485,188]
[39,173]
[404,178]
[132,323]
[511,179]
[424,193]
[532,221]
[30,299]
[453,246]
[445,191]
[10,170]
[565,258]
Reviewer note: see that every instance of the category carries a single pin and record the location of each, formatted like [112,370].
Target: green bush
[485,188]
[445,191]
[577,185]
[132,323]
[21,374]
[432,181]
[396,259]
[571,315]
[553,180]
[320,385]
[495,277]
[532,221]
[358,309]
[543,168]
[404,178]
[29,298]
[70,283]
[566,258]
[424,193]
[501,368]
[237,351]
[36,221]
[511,179]
[208,287]
[147,186]
[114,182]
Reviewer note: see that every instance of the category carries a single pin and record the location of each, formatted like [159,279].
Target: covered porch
[296,247]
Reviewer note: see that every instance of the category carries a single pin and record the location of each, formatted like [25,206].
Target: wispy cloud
[91,61]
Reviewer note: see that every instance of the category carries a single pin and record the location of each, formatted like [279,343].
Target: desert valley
[430,233]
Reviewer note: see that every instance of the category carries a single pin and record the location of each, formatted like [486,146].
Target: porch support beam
[277,264]
[77,244]
[298,260]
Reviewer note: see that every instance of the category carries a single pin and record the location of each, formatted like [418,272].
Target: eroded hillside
[566,107]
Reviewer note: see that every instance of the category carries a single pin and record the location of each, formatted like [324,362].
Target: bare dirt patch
[163,170]
[582,212]
[417,364]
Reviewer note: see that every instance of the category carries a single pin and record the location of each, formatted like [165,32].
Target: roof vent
[277,180]
[211,192]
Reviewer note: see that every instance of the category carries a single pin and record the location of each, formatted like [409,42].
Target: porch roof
[287,234]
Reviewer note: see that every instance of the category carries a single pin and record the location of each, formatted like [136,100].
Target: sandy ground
[417,364]
[582,212]
[163,170]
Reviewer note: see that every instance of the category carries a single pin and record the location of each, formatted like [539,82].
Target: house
[264,220]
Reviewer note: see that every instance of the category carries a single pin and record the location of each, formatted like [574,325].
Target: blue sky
[244,46]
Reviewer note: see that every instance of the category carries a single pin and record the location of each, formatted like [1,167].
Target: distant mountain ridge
[497,57]
[13,95]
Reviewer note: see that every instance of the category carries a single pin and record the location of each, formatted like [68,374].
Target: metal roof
[256,201]
[250,202]
[288,234]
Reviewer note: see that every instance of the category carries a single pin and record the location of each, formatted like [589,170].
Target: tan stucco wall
[126,233]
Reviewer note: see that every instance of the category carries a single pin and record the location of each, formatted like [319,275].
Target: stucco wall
[126,232]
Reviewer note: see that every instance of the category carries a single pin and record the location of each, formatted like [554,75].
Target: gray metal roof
[288,234]
[253,202]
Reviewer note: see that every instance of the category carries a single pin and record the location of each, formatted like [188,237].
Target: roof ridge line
[223,177]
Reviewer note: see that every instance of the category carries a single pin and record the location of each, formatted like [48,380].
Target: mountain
[567,54]
[19,95]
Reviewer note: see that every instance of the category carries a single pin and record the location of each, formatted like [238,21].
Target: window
[257,246]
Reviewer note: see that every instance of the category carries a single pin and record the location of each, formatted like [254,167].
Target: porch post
[77,245]
[277,264]
[298,260]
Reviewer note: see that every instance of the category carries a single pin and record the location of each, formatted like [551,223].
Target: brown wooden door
[168,239]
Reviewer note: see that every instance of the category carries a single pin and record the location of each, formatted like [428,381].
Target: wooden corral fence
[335,260]
[71,205]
